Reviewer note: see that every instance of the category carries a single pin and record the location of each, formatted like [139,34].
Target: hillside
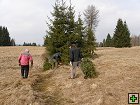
[118,75]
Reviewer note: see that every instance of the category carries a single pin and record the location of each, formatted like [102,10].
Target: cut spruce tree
[88,68]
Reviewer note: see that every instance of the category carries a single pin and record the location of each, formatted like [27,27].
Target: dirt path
[119,74]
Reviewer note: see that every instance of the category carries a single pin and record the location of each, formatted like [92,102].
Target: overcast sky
[26,19]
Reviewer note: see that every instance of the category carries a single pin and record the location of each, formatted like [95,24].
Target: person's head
[73,46]
[26,50]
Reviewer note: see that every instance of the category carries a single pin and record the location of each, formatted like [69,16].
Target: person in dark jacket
[55,60]
[75,58]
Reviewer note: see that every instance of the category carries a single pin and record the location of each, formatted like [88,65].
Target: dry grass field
[13,89]
[119,74]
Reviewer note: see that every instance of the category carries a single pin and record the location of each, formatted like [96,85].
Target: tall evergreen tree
[91,42]
[58,33]
[121,36]
[117,39]
[58,28]
[108,41]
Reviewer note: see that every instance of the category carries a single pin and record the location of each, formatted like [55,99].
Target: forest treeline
[5,39]
[121,37]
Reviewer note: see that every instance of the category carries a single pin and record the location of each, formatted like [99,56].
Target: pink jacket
[24,58]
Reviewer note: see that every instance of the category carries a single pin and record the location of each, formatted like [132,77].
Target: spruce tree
[58,33]
[121,36]
[108,41]
[90,43]
[118,34]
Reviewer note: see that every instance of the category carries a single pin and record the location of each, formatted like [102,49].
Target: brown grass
[13,89]
[119,74]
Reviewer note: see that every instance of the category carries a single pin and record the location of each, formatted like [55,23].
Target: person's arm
[19,62]
[31,60]
[31,63]
[19,58]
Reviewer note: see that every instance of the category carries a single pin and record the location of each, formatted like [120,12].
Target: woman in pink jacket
[24,60]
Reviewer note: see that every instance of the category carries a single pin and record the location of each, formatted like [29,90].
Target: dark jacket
[56,56]
[75,54]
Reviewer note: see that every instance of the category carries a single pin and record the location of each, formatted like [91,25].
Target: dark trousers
[24,71]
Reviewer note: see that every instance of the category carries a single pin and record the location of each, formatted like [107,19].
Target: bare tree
[91,17]
[135,40]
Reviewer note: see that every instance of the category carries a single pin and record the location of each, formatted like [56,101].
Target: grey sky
[26,19]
